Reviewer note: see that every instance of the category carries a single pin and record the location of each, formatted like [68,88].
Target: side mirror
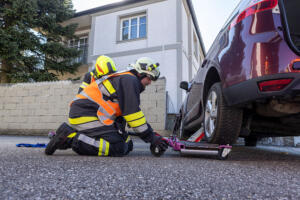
[184,85]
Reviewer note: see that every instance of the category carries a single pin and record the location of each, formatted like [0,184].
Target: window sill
[131,40]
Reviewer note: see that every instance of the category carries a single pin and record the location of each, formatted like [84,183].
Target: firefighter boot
[129,145]
[61,140]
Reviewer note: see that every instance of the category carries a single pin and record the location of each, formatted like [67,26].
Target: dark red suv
[249,82]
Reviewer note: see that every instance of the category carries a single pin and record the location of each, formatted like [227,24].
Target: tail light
[258,7]
[294,66]
[274,85]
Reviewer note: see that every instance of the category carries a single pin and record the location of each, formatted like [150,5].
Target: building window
[80,44]
[196,46]
[133,27]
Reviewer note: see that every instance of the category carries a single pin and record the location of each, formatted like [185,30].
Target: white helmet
[146,67]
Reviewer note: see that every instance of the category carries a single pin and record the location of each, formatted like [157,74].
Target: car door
[193,102]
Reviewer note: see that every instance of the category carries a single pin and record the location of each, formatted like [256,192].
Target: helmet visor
[155,74]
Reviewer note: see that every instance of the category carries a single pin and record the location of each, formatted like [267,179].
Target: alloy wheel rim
[211,114]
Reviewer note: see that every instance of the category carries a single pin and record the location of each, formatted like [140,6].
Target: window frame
[129,18]
[82,58]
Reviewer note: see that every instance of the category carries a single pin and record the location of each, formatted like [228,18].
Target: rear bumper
[248,91]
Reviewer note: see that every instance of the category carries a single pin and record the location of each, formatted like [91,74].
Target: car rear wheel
[222,123]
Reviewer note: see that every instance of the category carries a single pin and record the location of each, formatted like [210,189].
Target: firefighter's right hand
[159,142]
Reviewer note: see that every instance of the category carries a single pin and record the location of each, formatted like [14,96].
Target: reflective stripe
[109,86]
[134,116]
[106,149]
[88,125]
[82,120]
[140,129]
[89,140]
[100,147]
[127,140]
[79,96]
[72,135]
[83,85]
[93,77]
[103,147]
[103,90]
[137,123]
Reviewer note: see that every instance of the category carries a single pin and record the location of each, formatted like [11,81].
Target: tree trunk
[4,68]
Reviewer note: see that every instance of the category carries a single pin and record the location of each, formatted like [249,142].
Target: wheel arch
[211,78]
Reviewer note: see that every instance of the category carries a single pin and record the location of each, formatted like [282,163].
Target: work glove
[158,142]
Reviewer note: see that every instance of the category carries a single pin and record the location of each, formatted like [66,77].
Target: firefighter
[94,128]
[104,66]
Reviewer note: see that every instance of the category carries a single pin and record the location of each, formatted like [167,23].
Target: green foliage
[32,40]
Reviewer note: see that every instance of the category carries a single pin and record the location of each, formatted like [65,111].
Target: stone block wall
[36,108]
[281,141]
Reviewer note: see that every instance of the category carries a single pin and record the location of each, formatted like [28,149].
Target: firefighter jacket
[88,79]
[108,98]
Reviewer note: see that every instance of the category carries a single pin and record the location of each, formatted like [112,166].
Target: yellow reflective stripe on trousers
[137,123]
[134,116]
[72,135]
[82,120]
[109,86]
[103,148]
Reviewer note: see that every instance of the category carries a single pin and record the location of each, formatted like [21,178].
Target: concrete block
[144,97]
[10,106]
[160,89]
[288,141]
[14,126]
[34,119]
[27,126]
[39,126]
[3,125]
[20,119]
[46,119]
[24,93]
[158,126]
[151,89]
[161,118]
[2,91]
[16,99]
[151,118]
[27,112]
[34,92]
[15,113]
[29,99]
[59,92]
[67,99]
[52,126]
[10,93]
[54,99]
[42,99]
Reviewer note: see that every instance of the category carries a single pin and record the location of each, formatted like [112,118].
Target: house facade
[165,30]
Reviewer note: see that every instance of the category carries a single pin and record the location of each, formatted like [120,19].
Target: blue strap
[37,145]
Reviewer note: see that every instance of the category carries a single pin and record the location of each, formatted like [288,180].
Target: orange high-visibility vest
[108,110]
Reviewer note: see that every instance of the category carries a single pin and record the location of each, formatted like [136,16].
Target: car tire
[250,141]
[222,124]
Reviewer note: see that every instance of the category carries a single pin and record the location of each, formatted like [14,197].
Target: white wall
[161,28]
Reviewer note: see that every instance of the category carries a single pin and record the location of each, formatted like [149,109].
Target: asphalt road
[249,173]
